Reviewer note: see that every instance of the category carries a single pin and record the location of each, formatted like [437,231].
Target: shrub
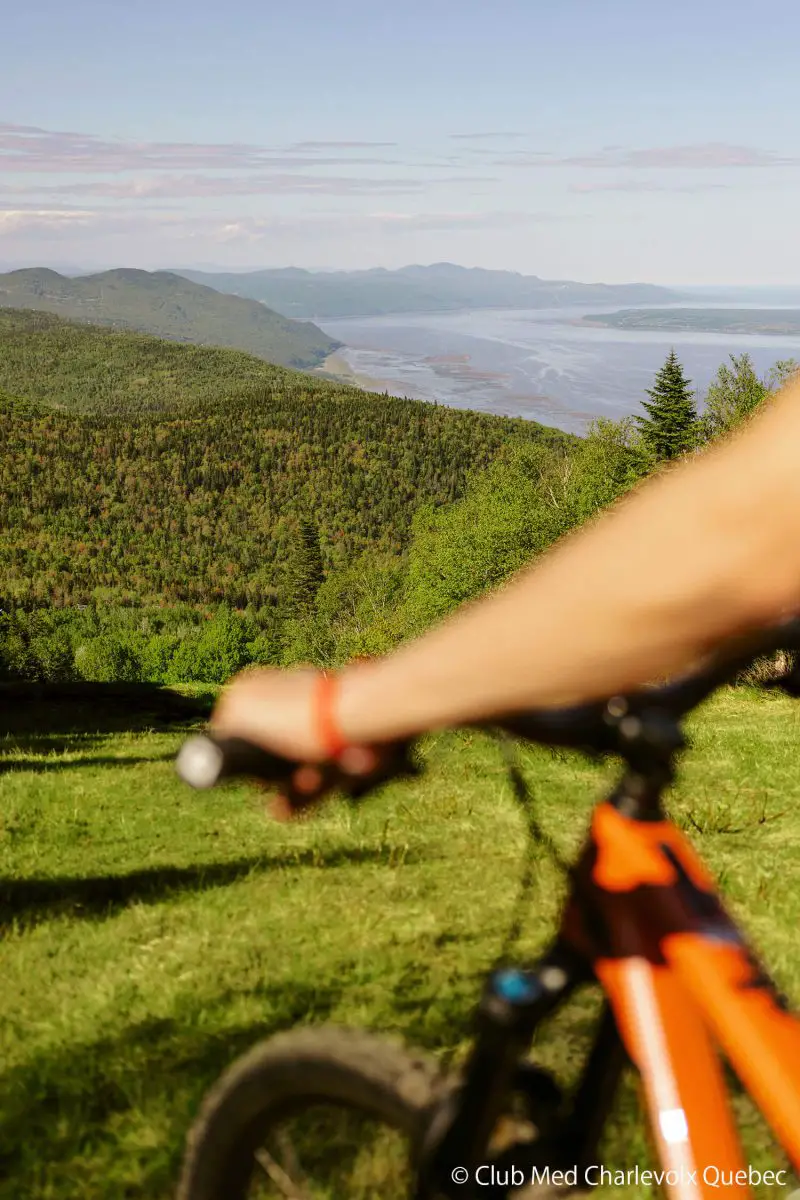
[213,653]
[107,659]
[35,646]
[157,655]
[51,656]
[262,650]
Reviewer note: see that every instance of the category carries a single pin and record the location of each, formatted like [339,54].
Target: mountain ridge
[436,287]
[168,305]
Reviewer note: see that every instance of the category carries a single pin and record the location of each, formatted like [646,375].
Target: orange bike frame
[681,980]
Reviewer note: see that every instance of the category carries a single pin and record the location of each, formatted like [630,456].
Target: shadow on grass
[75,1117]
[63,1109]
[32,711]
[38,766]
[28,902]
[109,1117]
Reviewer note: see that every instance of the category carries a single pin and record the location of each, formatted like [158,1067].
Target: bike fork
[513,1003]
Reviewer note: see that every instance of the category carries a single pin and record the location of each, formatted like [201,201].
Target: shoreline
[336,368]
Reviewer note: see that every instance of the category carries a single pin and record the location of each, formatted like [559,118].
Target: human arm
[704,551]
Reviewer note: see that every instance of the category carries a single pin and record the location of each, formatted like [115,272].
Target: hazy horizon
[607,143]
[74,270]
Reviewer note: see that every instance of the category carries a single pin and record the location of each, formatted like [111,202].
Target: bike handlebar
[206,760]
[602,727]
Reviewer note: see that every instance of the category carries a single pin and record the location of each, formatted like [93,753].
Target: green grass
[152,934]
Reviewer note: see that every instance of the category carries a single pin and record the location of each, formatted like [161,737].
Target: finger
[357,760]
[307,781]
[307,786]
[287,806]
[280,808]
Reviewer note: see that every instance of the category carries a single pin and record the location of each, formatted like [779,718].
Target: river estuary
[534,363]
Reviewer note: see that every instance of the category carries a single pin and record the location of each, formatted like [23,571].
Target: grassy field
[150,934]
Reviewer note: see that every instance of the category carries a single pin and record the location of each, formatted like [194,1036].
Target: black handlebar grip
[205,760]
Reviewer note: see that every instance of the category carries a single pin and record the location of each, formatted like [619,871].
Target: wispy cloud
[513,155]
[381,222]
[55,223]
[44,220]
[199,186]
[65,221]
[65,184]
[187,186]
[703,156]
[452,220]
[644,185]
[28,148]
[486,137]
[315,146]
[194,168]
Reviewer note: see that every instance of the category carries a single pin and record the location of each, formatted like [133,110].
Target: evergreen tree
[670,427]
[304,569]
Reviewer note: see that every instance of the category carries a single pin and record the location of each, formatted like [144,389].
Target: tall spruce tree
[304,570]
[670,427]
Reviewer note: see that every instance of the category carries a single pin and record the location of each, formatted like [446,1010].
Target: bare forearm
[702,553]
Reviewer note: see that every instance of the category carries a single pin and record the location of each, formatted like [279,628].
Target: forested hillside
[171,513]
[135,470]
[168,306]
[776,322]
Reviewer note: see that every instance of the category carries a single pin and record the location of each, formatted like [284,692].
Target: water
[535,363]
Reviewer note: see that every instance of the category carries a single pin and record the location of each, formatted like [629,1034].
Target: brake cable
[537,837]
[787,681]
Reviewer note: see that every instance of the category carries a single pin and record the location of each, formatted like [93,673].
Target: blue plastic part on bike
[518,987]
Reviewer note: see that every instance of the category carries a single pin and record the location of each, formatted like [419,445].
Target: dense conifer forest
[172,513]
[141,474]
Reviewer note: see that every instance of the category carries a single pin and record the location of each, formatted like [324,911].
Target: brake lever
[400,765]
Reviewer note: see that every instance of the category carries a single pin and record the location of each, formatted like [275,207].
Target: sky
[595,140]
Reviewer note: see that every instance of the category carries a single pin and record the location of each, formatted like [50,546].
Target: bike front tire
[341,1082]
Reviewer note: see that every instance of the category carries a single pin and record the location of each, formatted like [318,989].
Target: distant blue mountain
[440,287]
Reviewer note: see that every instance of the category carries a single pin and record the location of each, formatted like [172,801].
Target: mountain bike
[681,991]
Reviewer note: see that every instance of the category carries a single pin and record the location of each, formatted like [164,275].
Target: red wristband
[325,723]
